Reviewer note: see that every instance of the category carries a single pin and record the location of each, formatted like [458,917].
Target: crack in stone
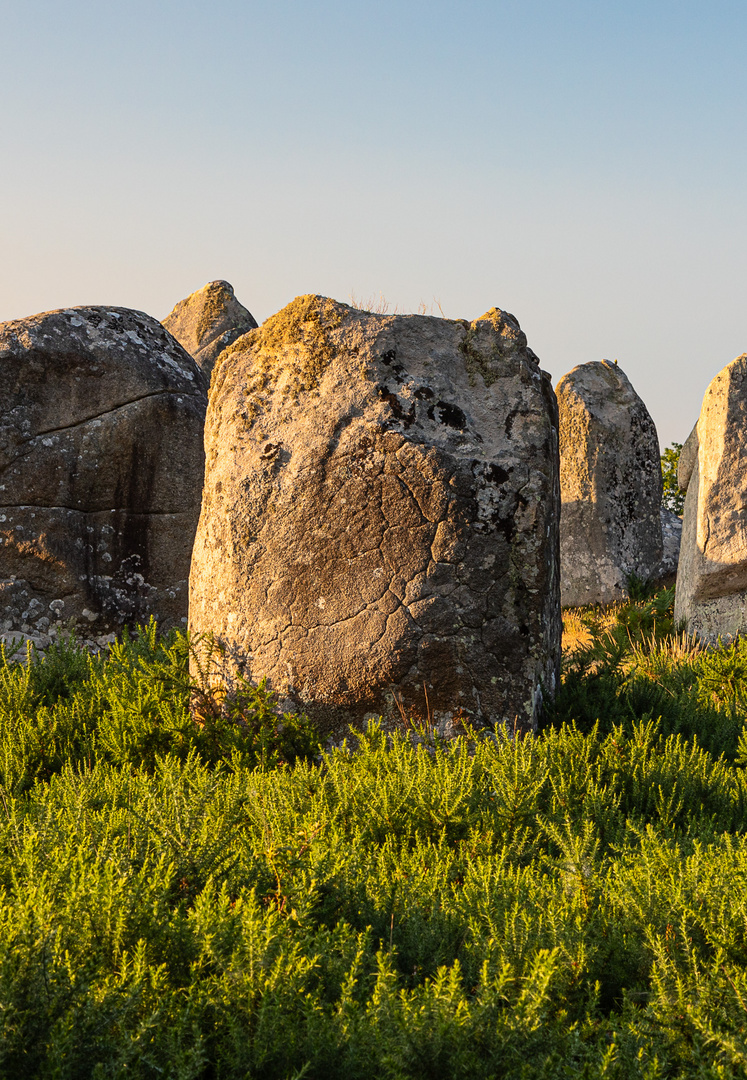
[109,412]
[103,510]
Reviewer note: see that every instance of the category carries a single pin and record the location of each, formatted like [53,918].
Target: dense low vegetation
[212,897]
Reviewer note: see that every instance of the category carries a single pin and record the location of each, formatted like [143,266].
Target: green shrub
[194,894]
[129,706]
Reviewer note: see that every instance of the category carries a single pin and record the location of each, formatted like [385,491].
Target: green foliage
[672,498]
[194,895]
[129,707]
[629,665]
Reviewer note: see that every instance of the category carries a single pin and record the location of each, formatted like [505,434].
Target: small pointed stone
[208,321]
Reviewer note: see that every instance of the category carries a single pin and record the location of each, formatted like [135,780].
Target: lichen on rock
[209,321]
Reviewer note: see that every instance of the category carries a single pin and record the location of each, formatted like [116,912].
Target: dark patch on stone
[451,415]
[503,525]
[407,418]
[494,473]
[510,421]
[390,359]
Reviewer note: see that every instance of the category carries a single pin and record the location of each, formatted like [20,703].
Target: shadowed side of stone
[101,464]
[671,538]
[611,486]
[208,321]
[711,595]
[379,518]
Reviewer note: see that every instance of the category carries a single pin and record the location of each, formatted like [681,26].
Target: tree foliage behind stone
[672,498]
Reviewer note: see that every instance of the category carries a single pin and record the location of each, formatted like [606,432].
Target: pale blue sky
[580,164]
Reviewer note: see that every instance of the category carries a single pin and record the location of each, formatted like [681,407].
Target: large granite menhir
[711,594]
[208,321]
[610,484]
[101,462]
[379,517]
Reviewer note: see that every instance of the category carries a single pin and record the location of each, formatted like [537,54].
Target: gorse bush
[627,664]
[128,707]
[205,898]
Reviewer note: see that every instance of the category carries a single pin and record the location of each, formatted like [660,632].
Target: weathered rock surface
[610,483]
[379,516]
[711,596]
[208,321]
[101,463]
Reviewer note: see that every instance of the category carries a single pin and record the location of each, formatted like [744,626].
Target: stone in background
[688,459]
[101,464]
[208,321]
[380,514]
[671,538]
[711,595]
[610,483]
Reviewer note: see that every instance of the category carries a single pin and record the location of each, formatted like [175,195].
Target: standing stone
[711,595]
[688,458]
[101,463]
[379,518]
[610,484]
[208,321]
[671,538]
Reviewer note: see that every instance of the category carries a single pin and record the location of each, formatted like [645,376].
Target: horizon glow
[576,164]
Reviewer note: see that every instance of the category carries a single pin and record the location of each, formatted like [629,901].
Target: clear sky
[580,163]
